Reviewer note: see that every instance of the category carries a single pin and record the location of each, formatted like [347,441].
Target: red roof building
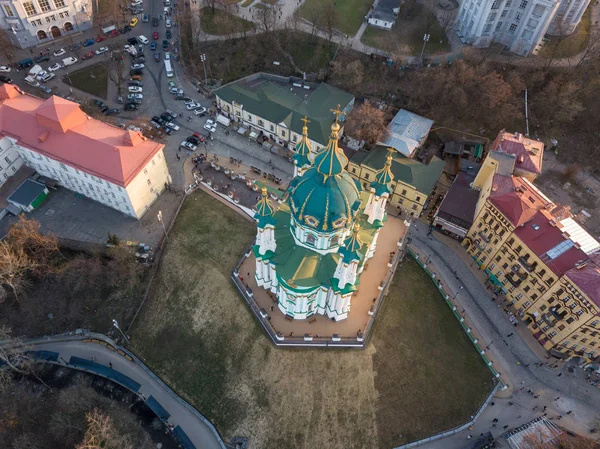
[528,153]
[51,135]
[517,199]
[587,277]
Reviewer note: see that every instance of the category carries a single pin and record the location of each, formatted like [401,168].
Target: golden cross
[337,112]
[305,120]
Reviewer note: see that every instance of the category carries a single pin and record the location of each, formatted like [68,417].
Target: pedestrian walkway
[97,354]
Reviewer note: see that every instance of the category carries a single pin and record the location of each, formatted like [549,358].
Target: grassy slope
[96,86]
[350,13]
[207,21]
[196,332]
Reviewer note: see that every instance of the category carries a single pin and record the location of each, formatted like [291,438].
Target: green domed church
[313,249]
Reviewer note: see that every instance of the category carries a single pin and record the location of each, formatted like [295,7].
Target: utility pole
[160,218]
[526,116]
[425,40]
[116,325]
[203,59]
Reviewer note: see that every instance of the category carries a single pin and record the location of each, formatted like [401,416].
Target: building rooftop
[528,153]
[285,100]
[422,177]
[506,162]
[59,129]
[587,277]
[461,199]
[27,192]
[406,131]
[537,434]
[585,241]
[517,198]
[542,236]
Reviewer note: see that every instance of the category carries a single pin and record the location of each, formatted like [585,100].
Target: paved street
[201,433]
[512,356]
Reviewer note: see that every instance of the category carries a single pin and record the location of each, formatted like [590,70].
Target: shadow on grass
[92,79]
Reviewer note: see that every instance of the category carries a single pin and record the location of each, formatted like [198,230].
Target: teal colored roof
[352,246]
[303,149]
[384,178]
[267,96]
[422,177]
[322,202]
[301,268]
[331,160]
[264,210]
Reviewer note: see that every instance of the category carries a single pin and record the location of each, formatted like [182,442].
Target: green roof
[422,177]
[269,97]
[301,268]
[264,210]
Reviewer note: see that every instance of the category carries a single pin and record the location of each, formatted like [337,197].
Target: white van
[69,61]
[31,81]
[35,70]
[143,39]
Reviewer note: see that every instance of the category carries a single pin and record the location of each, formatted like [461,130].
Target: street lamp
[116,325]
[425,40]
[203,59]
[160,218]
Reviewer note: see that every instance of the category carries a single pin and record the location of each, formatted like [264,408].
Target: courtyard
[418,375]
[350,14]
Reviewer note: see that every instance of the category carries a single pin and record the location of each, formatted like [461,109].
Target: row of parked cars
[165,122]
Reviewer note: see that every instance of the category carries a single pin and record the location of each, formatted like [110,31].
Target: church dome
[326,198]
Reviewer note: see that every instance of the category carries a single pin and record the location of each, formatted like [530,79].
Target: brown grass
[197,333]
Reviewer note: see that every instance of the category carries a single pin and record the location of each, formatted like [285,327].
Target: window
[499,26]
[29,8]
[491,17]
[366,176]
[311,239]
[527,288]
[527,34]
[527,304]
[271,127]
[561,327]
[153,162]
[403,192]
[496,4]
[518,16]
[335,240]
[283,134]
[59,3]
[523,4]
[487,28]
[570,320]
[532,23]
[418,199]
[294,138]
[149,182]
[504,13]
[44,5]
[498,258]
[505,266]
[354,170]
[8,11]
[261,123]
[538,11]
[595,323]
[414,207]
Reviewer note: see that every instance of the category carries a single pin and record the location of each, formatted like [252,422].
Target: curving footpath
[98,354]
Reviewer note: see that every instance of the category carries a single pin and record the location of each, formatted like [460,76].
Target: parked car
[89,42]
[183,97]
[42,58]
[154,21]
[166,117]
[54,67]
[101,50]
[210,126]
[173,126]
[47,77]
[69,61]
[136,77]
[135,96]
[112,111]
[135,83]
[153,46]
[200,111]
[45,89]
[155,123]
[99,103]
[145,18]
[132,41]
[143,39]
[158,120]
[165,44]
[167,56]
[176,90]
[138,66]
[60,52]
[131,107]
[87,55]
[25,63]
[155,35]
[194,140]
[114,33]
[168,23]
[4,69]
[188,146]
[101,38]
[135,89]
[157,56]
[172,114]
[126,28]
[139,60]
[169,35]
[192,105]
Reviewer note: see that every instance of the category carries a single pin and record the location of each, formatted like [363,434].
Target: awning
[494,280]
[559,355]
[242,130]
[253,135]
[109,29]
[223,120]
[478,150]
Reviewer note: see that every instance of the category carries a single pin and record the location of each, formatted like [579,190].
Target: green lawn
[221,23]
[350,13]
[247,3]
[406,37]
[92,79]
[558,47]
[419,374]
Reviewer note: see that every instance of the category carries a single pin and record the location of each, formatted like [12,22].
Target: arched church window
[311,239]
[335,240]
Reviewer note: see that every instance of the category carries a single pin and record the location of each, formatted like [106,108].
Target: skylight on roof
[535,227]
[560,249]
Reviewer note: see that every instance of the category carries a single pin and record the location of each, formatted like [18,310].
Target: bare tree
[7,46]
[15,358]
[351,75]
[118,70]
[593,48]
[329,16]
[314,17]
[266,18]
[367,123]
[101,433]
[14,265]
[26,234]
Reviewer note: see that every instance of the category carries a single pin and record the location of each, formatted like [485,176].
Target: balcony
[484,237]
[514,282]
[480,245]
[525,264]
[550,319]
[517,270]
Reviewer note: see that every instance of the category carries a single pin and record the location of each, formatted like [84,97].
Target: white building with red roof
[118,168]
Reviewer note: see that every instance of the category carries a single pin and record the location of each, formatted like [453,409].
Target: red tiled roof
[587,279]
[528,152]
[540,236]
[59,129]
[516,198]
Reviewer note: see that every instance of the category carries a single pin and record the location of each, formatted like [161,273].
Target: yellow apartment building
[413,180]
